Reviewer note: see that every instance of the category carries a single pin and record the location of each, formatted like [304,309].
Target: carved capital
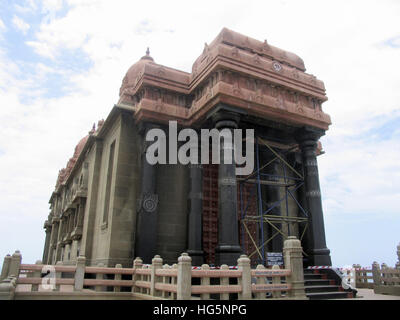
[308,139]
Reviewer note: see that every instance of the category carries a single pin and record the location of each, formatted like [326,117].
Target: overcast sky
[62,63]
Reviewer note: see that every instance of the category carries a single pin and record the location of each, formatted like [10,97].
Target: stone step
[329,295]
[328,288]
[318,282]
[315,276]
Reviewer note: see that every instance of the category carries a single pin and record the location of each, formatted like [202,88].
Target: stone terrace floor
[368,294]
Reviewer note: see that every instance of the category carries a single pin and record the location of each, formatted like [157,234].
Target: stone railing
[156,281]
[386,280]
[363,277]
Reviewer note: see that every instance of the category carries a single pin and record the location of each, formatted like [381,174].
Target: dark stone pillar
[320,254]
[146,227]
[195,215]
[228,249]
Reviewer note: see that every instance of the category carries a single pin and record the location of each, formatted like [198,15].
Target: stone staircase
[325,284]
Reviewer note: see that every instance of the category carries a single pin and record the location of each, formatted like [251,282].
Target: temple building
[111,205]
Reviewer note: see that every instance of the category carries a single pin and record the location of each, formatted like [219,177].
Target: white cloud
[357,176]
[20,24]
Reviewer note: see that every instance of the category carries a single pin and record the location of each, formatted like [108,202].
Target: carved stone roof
[251,75]
[253,46]
[134,73]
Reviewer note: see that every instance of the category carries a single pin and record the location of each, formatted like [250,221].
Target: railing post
[80,273]
[225,282]
[276,280]
[260,280]
[293,254]
[376,274]
[174,281]
[15,263]
[58,276]
[156,263]
[137,264]
[165,280]
[205,281]
[357,275]
[245,281]
[117,276]
[100,276]
[6,267]
[36,274]
[184,286]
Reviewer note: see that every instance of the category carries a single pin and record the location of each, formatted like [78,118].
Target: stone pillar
[79,273]
[5,268]
[319,253]
[118,277]
[71,220]
[245,281]
[36,274]
[81,213]
[47,227]
[76,234]
[228,249]
[100,276]
[156,263]
[376,273]
[68,232]
[146,226]
[398,257]
[15,263]
[184,285]
[137,264]
[293,256]
[60,236]
[195,215]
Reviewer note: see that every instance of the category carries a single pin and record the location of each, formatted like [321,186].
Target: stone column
[81,213]
[228,249]
[68,232]
[53,240]
[71,221]
[195,215]
[47,227]
[146,226]
[320,254]
[60,238]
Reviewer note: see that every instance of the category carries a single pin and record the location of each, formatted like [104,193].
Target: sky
[62,63]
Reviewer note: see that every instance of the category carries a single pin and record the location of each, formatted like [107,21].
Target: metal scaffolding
[251,186]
